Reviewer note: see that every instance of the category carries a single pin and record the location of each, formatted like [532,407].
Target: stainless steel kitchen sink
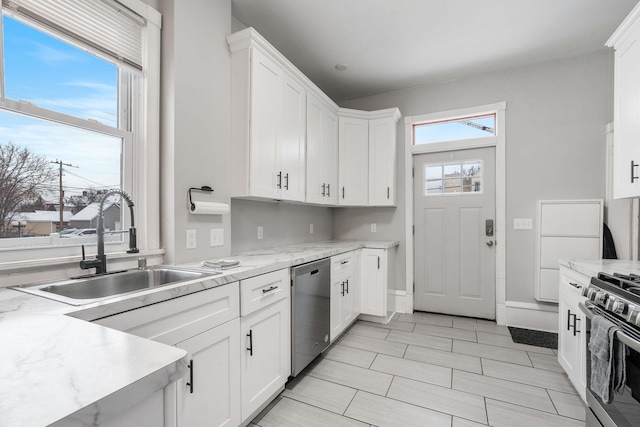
[89,289]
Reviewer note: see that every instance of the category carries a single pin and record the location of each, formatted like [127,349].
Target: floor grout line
[426,337]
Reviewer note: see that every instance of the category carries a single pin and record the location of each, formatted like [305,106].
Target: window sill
[39,270]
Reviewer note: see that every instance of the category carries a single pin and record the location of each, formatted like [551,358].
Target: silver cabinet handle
[328,190]
[323,189]
[575,285]
[279,184]
[272,288]
[286,186]
[634,165]
[190,383]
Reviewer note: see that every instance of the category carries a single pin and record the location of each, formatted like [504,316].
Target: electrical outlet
[310,228]
[260,232]
[217,237]
[191,239]
[522,223]
[374,227]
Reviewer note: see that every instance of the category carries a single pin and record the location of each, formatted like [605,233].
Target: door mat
[531,337]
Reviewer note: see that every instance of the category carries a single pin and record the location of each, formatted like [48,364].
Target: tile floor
[429,370]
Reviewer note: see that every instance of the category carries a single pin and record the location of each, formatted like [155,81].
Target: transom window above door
[454,129]
[453,178]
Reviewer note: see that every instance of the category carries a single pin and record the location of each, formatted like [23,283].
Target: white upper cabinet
[289,141]
[268,125]
[322,152]
[626,151]
[382,158]
[367,159]
[353,160]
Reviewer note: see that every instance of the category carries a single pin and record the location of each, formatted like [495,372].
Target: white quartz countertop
[593,267]
[56,366]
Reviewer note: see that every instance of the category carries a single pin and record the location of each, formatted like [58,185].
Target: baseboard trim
[530,316]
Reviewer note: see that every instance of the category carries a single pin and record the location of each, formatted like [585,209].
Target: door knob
[489,243]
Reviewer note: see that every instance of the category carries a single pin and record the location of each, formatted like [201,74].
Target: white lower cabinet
[209,395]
[345,306]
[374,282]
[207,325]
[265,356]
[571,336]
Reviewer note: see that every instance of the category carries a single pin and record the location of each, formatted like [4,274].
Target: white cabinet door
[373,282]
[626,151]
[265,92]
[353,161]
[209,394]
[571,322]
[382,162]
[265,354]
[337,301]
[322,153]
[291,138]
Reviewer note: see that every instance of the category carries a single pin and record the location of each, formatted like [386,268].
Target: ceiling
[396,44]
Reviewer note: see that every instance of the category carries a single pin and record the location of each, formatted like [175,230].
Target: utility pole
[59,162]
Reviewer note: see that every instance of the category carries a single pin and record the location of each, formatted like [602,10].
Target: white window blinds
[102,25]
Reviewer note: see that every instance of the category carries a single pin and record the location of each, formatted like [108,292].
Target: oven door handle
[624,338]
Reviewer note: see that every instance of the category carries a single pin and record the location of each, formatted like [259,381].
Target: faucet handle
[133,241]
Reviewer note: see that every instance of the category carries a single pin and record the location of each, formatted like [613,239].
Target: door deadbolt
[488,227]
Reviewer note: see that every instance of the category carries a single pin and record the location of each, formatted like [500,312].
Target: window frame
[140,156]
[456,144]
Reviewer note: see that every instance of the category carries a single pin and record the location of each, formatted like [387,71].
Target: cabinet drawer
[553,248]
[261,291]
[571,219]
[572,280]
[342,265]
[548,290]
[172,321]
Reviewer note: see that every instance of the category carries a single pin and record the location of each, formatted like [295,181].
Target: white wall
[195,118]
[555,147]
[283,224]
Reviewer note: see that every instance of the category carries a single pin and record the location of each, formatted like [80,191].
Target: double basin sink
[95,288]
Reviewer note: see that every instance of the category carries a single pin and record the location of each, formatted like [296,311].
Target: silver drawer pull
[273,288]
[344,262]
[575,285]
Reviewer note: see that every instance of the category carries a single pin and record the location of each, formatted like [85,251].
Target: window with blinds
[104,26]
[70,115]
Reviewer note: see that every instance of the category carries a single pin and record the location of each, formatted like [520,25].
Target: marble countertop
[57,365]
[593,267]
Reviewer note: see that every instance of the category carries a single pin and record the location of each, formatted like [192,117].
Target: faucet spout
[100,262]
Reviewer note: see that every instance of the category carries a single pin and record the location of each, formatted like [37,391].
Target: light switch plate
[191,239]
[374,227]
[310,228]
[522,223]
[260,232]
[217,237]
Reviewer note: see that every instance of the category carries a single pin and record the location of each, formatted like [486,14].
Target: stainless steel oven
[617,298]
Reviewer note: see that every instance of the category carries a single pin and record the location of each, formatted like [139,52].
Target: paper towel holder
[204,188]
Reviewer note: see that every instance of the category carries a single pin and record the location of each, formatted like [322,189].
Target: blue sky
[447,131]
[52,74]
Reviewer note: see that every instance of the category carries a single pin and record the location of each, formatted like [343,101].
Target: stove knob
[633,315]
[619,307]
[584,292]
[600,298]
[591,294]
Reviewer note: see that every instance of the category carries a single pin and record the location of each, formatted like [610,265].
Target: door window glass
[453,178]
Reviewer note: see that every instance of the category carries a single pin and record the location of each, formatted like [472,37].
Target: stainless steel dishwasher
[310,312]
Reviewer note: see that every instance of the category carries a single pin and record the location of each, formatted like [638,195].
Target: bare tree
[24,177]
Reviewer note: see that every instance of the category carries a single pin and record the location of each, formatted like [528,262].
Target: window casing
[137,117]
